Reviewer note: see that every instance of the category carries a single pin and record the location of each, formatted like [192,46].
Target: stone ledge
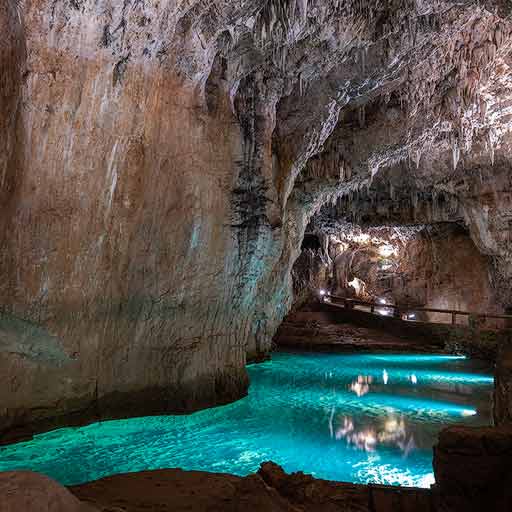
[217,390]
[473,469]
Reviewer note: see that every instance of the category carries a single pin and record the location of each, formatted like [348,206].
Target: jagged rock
[473,469]
[271,489]
[31,492]
[503,387]
[175,490]
[309,493]
[428,266]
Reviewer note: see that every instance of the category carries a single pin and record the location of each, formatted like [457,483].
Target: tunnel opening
[311,242]
[398,250]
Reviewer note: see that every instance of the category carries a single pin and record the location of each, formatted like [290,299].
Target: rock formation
[160,161]
[32,492]
[270,490]
[503,387]
[434,266]
[473,469]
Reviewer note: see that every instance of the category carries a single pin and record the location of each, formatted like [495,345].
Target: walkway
[319,329]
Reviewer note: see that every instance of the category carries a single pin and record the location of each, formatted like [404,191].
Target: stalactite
[455,153]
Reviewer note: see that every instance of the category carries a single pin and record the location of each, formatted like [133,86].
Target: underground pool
[347,417]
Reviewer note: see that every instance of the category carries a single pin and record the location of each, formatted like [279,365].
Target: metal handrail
[407,307]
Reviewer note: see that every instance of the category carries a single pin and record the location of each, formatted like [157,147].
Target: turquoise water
[348,417]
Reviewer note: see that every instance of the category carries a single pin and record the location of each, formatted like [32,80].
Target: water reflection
[391,431]
[361,386]
[347,417]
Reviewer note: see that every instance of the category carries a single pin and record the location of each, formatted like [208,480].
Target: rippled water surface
[350,417]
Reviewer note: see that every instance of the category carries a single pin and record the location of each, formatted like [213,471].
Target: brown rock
[31,492]
[503,387]
[316,495]
[473,469]
[268,491]
[180,491]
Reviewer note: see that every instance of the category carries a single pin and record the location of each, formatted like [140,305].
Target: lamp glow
[386,250]
[356,284]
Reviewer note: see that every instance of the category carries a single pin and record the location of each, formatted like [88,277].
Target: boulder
[25,491]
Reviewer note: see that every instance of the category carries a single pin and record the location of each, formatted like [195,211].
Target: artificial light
[356,284]
[386,250]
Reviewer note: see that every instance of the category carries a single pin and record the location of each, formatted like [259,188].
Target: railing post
[372,308]
[474,321]
[508,321]
[454,318]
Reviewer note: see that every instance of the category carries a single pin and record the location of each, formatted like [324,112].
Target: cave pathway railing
[399,310]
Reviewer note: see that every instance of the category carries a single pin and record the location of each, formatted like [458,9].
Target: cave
[256,254]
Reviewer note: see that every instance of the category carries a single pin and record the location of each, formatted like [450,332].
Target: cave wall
[129,270]
[445,270]
[12,55]
[436,266]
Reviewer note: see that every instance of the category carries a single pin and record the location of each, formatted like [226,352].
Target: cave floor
[270,490]
[315,330]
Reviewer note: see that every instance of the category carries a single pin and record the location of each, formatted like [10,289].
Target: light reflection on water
[348,417]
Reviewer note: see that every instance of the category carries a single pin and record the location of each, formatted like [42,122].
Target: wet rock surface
[332,327]
[160,161]
[503,386]
[316,328]
[33,492]
[271,489]
[473,469]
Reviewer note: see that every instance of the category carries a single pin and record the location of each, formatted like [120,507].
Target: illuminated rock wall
[435,266]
